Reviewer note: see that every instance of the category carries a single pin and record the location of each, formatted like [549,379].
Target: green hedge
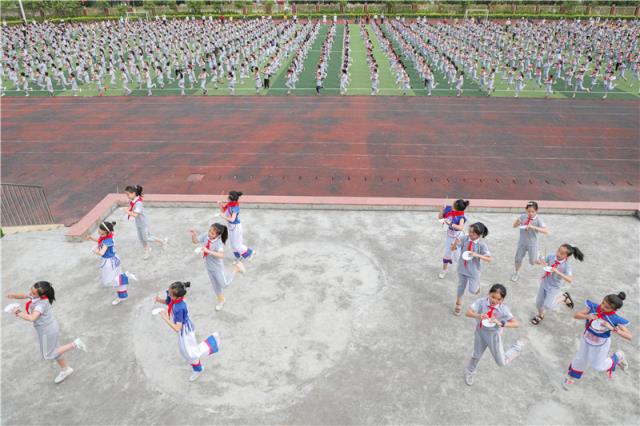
[453,15]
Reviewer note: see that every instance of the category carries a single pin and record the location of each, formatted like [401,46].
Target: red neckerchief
[28,304]
[529,219]
[173,302]
[490,313]
[556,263]
[600,314]
[132,204]
[231,204]
[101,239]
[207,247]
[453,213]
[469,249]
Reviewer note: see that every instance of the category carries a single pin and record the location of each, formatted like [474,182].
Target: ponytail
[235,195]
[461,205]
[616,300]
[179,288]
[480,229]
[107,226]
[134,189]
[222,231]
[574,251]
[44,288]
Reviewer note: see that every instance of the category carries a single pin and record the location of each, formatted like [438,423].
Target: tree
[195,6]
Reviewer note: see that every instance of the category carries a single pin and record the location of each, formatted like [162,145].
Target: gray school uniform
[215,265]
[551,285]
[47,328]
[489,337]
[469,271]
[528,242]
[142,224]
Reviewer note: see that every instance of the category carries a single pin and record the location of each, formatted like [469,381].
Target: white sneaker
[468,378]
[219,306]
[622,361]
[442,274]
[241,268]
[118,301]
[515,351]
[131,276]
[194,376]
[515,277]
[79,344]
[147,254]
[63,375]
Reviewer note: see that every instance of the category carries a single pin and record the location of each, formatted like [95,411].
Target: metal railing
[24,205]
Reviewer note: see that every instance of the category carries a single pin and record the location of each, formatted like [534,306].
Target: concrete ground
[341,319]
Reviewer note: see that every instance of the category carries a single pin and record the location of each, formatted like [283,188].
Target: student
[136,210]
[491,84]
[530,225]
[548,86]
[551,281]
[491,309]
[150,85]
[289,83]
[319,80]
[125,83]
[213,254]
[258,79]
[38,310]
[455,220]
[98,81]
[74,85]
[344,82]
[177,318]
[600,321]
[469,270]
[214,77]
[110,263]
[180,76]
[460,83]
[519,83]
[49,84]
[579,84]
[609,85]
[232,83]
[203,81]
[230,211]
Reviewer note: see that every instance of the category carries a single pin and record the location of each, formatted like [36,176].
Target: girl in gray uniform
[38,310]
[492,316]
[213,253]
[136,209]
[530,224]
[551,282]
[469,270]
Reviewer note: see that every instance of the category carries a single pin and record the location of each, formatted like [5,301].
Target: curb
[108,205]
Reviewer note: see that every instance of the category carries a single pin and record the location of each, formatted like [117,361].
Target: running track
[80,149]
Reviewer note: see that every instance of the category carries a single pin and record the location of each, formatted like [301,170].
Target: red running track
[80,149]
